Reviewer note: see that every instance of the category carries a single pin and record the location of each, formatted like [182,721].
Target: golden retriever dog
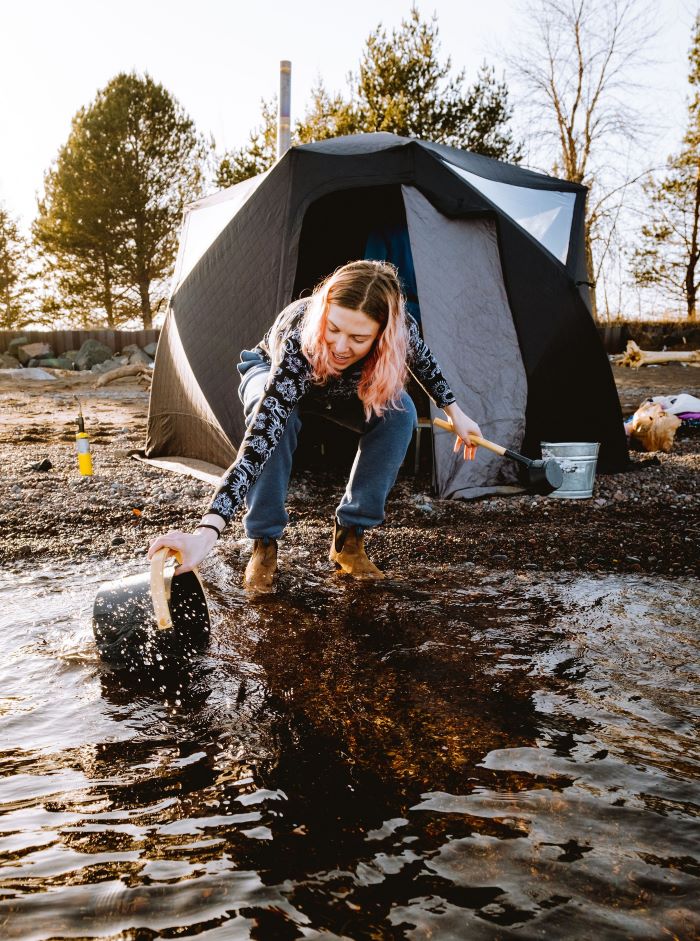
[653,427]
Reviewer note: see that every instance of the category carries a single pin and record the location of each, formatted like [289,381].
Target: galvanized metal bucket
[577,460]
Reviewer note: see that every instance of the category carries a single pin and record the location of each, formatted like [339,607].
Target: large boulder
[8,362]
[13,344]
[139,356]
[33,351]
[55,362]
[91,353]
[109,364]
[130,348]
[150,350]
[34,373]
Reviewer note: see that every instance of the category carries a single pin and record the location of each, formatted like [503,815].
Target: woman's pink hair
[373,288]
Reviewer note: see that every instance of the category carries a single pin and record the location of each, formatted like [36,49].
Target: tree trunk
[590,270]
[690,285]
[107,299]
[144,294]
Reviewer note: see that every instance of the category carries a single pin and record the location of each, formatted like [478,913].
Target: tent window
[546,214]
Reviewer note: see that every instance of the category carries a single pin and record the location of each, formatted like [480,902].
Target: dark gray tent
[498,253]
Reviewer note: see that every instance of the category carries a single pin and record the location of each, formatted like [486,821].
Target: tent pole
[283,122]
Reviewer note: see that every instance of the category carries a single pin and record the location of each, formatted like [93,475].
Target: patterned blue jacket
[288,384]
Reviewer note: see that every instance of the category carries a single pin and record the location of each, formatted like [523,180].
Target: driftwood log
[635,357]
[135,369]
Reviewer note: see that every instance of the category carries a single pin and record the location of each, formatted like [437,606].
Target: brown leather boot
[348,553]
[262,566]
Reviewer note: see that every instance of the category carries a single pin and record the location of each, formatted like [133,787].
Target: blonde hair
[373,288]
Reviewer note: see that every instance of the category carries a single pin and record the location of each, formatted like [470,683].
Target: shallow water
[457,756]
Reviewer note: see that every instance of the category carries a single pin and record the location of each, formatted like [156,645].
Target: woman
[350,344]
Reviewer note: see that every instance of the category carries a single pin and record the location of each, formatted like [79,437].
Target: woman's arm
[286,385]
[425,368]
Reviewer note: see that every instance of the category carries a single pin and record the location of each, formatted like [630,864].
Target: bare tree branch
[575,66]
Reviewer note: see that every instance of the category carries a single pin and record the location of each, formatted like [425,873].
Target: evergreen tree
[669,252]
[113,201]
[14,274]
[401,87]
[258,155]
[327,115]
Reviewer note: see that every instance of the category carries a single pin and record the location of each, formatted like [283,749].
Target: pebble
[52,505]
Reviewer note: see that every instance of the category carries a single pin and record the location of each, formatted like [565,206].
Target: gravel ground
[645,520]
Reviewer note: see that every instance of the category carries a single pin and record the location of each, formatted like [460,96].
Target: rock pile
[92,355]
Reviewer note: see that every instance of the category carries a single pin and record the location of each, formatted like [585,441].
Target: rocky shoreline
[645,520]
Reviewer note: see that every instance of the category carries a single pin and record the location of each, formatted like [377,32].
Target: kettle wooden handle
[158,592]
[473,439]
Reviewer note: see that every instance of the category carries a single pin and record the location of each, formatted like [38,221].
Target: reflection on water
[461,755]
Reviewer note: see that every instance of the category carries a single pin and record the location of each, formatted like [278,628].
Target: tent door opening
[451,274]
[369,222]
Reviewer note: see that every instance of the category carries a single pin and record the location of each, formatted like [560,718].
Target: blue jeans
[380,453]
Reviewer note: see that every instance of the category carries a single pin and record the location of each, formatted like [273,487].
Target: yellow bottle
[82,446]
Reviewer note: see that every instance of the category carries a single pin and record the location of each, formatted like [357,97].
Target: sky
[220,58]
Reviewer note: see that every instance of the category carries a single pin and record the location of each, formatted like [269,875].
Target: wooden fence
[63,340]
[650,336]
[614,337]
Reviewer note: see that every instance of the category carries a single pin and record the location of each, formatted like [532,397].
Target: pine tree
[669,252]
[327,115]
[401,87]
[113,201]
[258,155]
[14,274]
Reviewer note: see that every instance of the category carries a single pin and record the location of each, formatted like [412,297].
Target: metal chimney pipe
[284,130]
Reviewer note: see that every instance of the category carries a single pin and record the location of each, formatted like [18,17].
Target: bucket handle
[158,591]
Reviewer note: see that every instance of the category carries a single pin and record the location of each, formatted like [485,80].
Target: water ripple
[514,757]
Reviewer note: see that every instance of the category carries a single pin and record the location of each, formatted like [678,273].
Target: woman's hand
[193,547]
[463,427]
